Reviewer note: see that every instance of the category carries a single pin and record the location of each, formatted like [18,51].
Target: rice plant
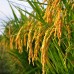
[47,35]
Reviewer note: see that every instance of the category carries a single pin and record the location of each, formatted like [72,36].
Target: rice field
[42,42]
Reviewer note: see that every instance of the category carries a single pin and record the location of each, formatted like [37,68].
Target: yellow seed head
[25,39]
[69,32]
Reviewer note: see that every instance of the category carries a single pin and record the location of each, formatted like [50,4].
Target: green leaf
[15,17]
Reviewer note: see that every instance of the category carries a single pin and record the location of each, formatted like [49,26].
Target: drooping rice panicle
[18,33]
[58,24]
[25,40]
[48,14]
[38,39]
[29,43]
[55,3]
[19,43]
[11,42]
[44,48]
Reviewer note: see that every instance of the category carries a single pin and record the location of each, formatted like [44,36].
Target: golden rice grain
[25,39]
[44,1]
[48,15]
[55,3]
[18,33]
[11,42]
[37,45]
[18,45]
[30,56]
[35,34]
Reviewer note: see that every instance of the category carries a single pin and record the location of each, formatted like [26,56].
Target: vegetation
[43,40]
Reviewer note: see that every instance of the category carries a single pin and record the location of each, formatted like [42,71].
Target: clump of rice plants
[47,35]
